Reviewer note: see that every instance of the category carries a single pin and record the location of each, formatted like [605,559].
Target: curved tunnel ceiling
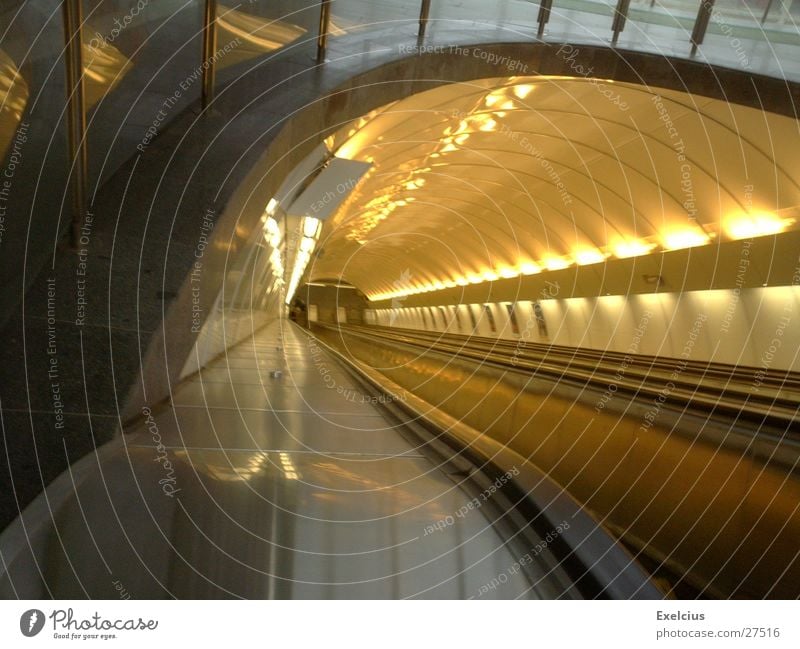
[507,176]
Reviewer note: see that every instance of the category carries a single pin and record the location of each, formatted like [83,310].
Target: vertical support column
[620,16]
[209,49]
[76,114]
[424,14]
[324,29]
[701,24]
[545,6]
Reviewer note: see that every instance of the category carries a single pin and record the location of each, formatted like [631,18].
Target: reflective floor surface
[259,485]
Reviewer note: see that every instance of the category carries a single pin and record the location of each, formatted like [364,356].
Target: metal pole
[544,16]
[76,114]
[324,29]
[701,24]
[766,12]
[209,49]
[424,14]
[620,16]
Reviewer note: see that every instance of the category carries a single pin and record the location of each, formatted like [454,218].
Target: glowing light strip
[311,229]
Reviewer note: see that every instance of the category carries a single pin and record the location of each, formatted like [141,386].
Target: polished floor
[261,485]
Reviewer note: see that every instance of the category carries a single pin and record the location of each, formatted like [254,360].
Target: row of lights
[486,117]
[272,235]
[311,228]
[745,226]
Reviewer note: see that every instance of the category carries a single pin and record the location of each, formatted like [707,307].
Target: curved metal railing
[769,398]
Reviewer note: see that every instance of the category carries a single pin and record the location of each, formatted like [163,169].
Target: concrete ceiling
[504,177]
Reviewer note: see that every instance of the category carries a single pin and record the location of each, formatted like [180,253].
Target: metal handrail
[545,7]
[76,114]
[723,371]
[600,565]
[701,24]
[324,29]
[209,48]
[768,406]
[620,16]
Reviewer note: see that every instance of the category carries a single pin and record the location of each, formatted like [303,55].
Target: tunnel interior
[395,324]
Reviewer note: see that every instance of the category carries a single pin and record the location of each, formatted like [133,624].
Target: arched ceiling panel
[507,176]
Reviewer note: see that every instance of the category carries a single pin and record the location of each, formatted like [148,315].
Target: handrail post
[620,16]
[766,12]
[701,24]
[324,29]
[424,15]
[545,6]
[76,114]
[209,50]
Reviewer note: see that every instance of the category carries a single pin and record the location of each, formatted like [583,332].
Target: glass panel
[736,38]
[253,30]
[659,26]
[581,21]
[33,151]
[383,18]
[506,20]
[141,68]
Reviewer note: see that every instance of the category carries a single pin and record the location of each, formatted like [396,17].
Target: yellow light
[589,256]
[307,244]
[523,90]
[507,273]
[529,269]
[310,226]
[679,239]
[272,206]
[747,226]
[555,263]
[271,225]
[461,281]
[474,279]
[489,276]
[632,248]
[488,125]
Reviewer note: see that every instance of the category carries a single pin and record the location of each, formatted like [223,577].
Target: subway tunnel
[352,300]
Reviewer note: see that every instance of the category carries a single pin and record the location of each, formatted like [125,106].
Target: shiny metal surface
[262,486]
[209,48]
[324,28]
[76,113]
[712,502]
